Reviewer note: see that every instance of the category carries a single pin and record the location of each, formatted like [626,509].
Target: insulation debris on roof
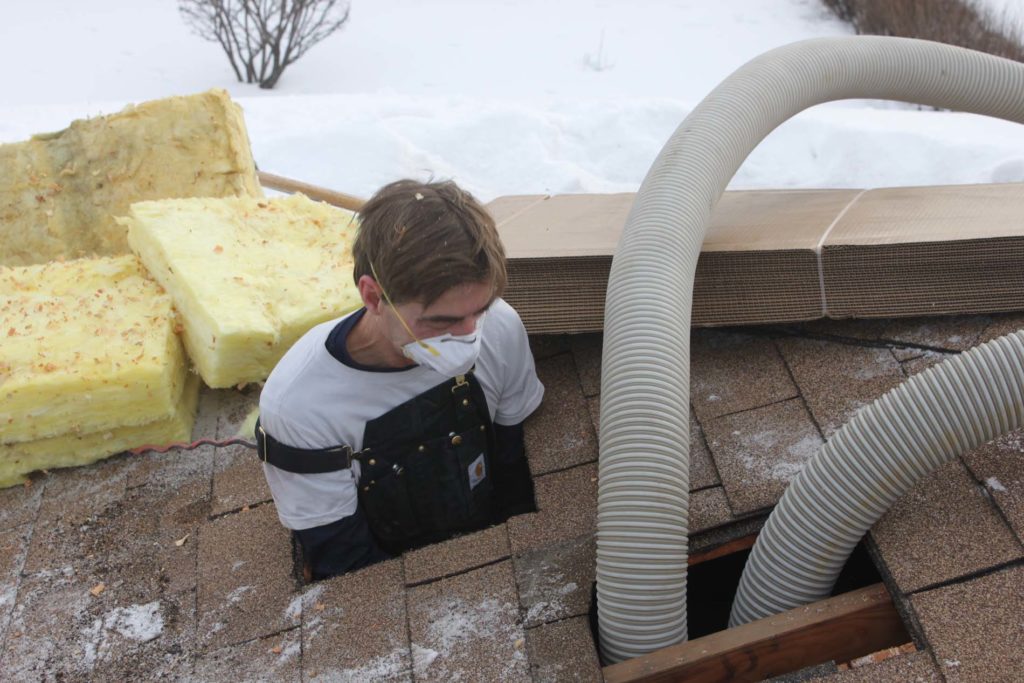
[88,347]
[248,276]
[60,192]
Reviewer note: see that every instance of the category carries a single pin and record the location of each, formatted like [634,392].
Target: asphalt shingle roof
[175,565]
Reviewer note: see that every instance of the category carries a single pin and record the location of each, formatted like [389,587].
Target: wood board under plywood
[837,629]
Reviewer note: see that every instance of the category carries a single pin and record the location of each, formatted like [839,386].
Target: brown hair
[425,238]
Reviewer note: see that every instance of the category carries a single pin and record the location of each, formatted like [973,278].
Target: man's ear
[371,294]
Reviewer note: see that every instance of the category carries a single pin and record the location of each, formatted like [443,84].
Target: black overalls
[425,475]
[426,467]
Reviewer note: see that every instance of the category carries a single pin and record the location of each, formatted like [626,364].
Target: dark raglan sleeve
[513,482]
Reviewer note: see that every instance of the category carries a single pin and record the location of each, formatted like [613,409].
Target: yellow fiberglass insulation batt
[89,348]
[248,276]
[60,192]
[69,450]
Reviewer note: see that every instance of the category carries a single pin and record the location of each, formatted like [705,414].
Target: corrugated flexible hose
[873,460]
[644,457]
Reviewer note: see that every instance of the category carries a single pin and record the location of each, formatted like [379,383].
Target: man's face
[456,312]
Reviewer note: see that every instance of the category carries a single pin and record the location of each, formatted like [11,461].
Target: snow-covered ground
[1006,16]
[504,96]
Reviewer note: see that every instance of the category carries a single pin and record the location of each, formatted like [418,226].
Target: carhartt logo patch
[477,471]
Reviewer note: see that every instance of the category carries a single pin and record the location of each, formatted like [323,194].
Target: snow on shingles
[950,333]
[140,623]
[457,622]
[759,451]
[63,630]
[112,540]
[228,611]
[544,610]
[42,625]
[13,545]
[92,531]
[836,380]
[999,464]
[732,372]
[274,659]
[945,527]
[423,656]
[84,489]
[974,627]
[354,626]
[393,666]
[953,333]
[995,484]
[472,622]
[554,583]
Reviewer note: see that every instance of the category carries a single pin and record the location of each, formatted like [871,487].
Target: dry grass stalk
[956,22]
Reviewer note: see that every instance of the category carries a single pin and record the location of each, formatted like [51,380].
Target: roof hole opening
[828,637]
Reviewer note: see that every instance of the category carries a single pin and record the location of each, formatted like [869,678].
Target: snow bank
[504,97]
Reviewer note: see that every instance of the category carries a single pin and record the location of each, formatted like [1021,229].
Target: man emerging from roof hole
[400,424]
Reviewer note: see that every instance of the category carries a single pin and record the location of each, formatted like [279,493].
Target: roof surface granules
[174,566]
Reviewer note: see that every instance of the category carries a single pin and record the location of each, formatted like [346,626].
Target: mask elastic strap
[408,329]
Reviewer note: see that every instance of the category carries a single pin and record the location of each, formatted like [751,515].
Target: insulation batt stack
[89,365]
[248,276]
[59,192]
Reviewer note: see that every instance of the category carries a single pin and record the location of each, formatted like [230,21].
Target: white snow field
[505,97]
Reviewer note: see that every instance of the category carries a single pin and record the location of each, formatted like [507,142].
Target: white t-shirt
[313,400]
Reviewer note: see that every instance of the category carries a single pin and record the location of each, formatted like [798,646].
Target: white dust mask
[448,354]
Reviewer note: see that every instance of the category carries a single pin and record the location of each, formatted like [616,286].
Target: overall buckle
[261,442]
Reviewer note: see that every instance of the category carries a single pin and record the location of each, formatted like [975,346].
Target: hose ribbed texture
[873,460]
[644,462]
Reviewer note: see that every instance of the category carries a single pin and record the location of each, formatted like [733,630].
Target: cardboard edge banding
[783,256]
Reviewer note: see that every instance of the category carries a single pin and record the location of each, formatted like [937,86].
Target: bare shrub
[956,22]
[263,37]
